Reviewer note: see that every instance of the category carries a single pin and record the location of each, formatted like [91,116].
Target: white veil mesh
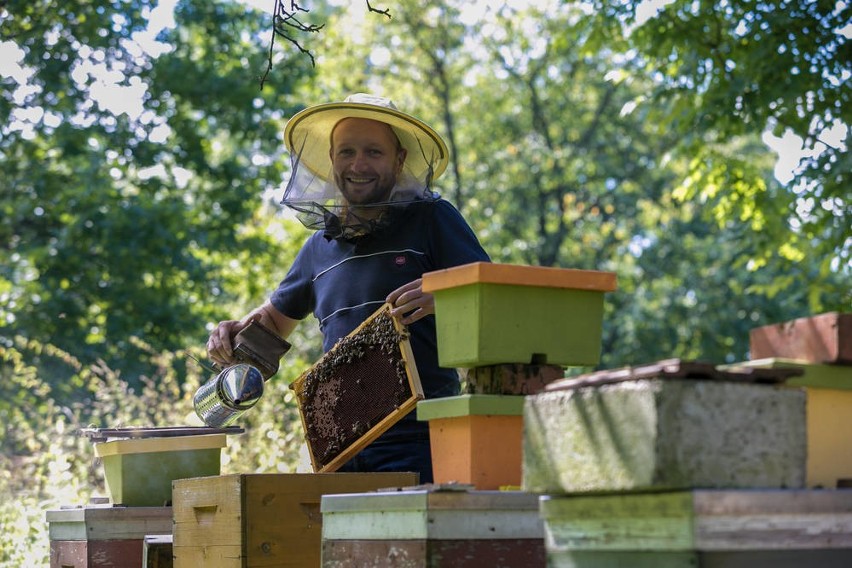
[319,205]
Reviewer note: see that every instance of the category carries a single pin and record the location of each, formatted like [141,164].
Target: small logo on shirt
[400,260]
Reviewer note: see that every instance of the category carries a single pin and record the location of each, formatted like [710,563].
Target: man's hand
[411,302]
[220,346]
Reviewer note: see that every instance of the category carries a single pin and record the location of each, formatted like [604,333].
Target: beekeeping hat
[311,190]
[308,134]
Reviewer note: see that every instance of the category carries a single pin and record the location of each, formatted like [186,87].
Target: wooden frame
[338,360]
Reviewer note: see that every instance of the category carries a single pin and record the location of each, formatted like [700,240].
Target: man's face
[366,159]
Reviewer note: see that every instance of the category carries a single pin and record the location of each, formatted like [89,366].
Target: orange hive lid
[518,275]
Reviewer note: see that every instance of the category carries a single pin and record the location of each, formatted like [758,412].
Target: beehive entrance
[355,392]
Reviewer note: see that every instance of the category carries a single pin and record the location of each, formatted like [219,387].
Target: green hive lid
[470,404]
[171,444]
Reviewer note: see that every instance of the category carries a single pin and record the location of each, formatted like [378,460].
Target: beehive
[139,472]
[261,520]
[490,314]
[700,528]
[103,535]
[437,526]
[463,430]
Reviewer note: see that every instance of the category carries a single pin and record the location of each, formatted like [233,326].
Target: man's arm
[220,346]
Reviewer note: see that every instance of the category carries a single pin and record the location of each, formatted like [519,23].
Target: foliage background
[582,135]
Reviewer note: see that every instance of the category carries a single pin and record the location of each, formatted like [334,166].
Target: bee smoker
[223,399]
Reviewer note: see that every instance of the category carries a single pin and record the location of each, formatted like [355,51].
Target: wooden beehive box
[824,338]
[435,526]
[254,520]
[687,529]
[364,385]
[139,472]
[103,535]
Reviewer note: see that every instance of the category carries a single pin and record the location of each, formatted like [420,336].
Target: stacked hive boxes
[103,535]
[435,526]
[819,348]
[512,328]
[680,464]
[139,466]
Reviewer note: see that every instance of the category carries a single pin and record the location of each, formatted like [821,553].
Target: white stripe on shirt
[333,266]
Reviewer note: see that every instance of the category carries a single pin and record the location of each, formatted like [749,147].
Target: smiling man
[367,158]
[361,175]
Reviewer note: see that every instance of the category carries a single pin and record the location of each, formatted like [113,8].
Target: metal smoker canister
[223,399]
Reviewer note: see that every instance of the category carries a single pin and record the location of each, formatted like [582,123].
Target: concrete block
[664,434]
[828,389]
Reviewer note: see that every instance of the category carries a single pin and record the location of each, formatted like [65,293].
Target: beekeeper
[361,175]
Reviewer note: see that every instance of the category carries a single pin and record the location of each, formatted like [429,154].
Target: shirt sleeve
[451,239]
[294,296]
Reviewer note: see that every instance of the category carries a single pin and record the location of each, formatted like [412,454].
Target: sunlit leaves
[736,69]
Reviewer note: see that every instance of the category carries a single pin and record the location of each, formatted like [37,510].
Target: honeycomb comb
[364,385]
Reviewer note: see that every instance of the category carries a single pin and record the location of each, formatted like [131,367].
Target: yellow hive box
[254,520]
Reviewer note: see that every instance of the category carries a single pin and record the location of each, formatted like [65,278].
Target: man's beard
[363,197]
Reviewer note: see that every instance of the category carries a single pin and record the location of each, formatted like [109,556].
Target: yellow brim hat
[308,134]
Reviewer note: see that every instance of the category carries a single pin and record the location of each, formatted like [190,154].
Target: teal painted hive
[139,472]
[489,314]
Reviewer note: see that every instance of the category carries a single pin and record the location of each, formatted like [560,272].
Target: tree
[737,69]
[129,224]
[136,220]
[563,166]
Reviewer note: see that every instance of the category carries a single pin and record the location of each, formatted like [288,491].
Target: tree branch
[284,23]
[377,11]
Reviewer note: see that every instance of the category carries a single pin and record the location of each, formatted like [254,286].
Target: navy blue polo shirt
[343,281]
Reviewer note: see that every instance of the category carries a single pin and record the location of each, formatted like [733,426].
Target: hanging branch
[286,25]
[377,11]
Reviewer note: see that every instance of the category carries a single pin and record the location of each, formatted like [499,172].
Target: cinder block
[664,434]
[828,389]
